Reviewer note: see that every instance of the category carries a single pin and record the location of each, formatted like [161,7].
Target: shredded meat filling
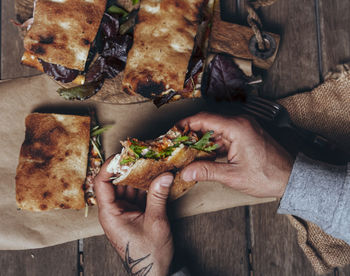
[94,166]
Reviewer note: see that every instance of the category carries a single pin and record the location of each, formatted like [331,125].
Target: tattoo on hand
[129,264]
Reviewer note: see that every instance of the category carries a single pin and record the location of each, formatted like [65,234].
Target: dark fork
[279,116]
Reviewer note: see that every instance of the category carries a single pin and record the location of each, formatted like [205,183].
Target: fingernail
[166,180]
[188,175]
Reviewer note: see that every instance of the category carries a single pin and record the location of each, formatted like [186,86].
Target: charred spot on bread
[85,41]
[37,49]
[148,88]
[46,39]
[47,194]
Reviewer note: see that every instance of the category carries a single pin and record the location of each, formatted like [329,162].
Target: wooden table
[240,241]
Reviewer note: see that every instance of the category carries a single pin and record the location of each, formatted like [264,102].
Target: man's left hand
[136,223]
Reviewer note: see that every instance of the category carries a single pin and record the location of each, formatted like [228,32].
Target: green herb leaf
[127,26]
[211,148]
[152,154]
[86,210]
[97,148]
[117,10]
[166,152]
[81,92]
[135,2]
[204,140]
[97,130]
[127,160]
[137,149]
[181,139]
[203,143]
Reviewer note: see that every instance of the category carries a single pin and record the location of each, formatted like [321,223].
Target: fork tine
[271,108]
[269,103]
[253,110]
[264,111]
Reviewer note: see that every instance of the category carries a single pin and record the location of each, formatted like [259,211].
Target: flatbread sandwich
[168,52]
[81,43]
[140,162]
[58,160]
[60,36]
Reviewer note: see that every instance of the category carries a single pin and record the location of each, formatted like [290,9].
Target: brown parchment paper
[26,230]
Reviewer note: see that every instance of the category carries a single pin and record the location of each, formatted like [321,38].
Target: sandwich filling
[95,161]
[109,50]
[160,149]
[105,58]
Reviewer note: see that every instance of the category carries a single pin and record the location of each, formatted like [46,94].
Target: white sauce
[114,164]
[152,9]
[64,25]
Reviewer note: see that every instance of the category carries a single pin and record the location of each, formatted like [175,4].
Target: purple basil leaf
[112,59]
[119,47]
[225,81]
[109,26]
[95,72]
[59,72]
[113,67]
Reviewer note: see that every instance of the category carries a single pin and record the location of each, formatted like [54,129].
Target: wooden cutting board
[225,37]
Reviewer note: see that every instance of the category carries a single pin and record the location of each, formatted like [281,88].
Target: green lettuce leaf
[203,143]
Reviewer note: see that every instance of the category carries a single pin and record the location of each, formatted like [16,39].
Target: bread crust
[63,31]
[53,162]
[163,43]
[144,171]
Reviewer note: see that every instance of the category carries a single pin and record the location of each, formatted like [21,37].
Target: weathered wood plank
[275,249]
[296,64]
[210,244]
[11,45]
[55,260]
[335,45]
[213,244]
[101,259]
[343,271]
[335,33]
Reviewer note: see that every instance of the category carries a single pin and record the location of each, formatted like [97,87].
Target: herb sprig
[203,144]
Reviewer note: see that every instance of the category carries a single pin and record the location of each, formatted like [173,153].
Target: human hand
[257,165]
[139,231]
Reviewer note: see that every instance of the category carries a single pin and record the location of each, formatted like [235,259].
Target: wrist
[286,170]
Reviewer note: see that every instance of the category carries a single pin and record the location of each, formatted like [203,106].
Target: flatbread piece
[63,30]
[163,43]
[53,162]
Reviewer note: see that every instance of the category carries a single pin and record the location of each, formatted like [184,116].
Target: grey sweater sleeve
[319,193]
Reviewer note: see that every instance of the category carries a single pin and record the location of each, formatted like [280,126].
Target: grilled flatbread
[144,171]
[140,173]
[163,44]
[63,31]
[53,162]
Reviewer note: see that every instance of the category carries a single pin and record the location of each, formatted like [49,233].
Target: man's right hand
[256,165]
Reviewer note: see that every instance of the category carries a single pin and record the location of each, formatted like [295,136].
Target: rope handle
[255,22]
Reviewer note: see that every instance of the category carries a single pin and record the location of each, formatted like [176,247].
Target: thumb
[157,196]
[210,171]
